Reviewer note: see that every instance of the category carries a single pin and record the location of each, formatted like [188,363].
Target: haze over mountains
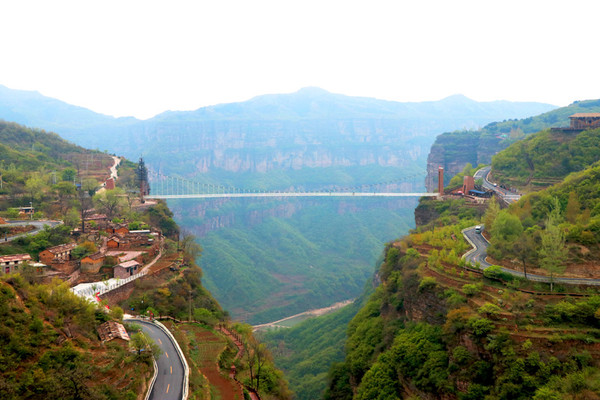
[264,259]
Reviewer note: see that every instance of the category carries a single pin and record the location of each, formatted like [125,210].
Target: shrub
[427,283]
[471,289]
[490,309]
[480,326]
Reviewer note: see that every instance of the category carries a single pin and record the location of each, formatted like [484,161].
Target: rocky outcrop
[456,149]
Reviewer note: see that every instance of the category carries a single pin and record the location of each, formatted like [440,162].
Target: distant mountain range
[95,130]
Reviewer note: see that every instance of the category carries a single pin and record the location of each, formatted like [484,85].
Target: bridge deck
[285,194]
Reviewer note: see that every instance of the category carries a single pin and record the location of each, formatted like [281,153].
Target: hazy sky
[143,57]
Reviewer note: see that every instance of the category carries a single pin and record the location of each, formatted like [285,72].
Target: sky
[140,58]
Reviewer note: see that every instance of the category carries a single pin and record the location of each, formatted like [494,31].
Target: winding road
[170,378]
[479,253]
[503,193]
[39,225]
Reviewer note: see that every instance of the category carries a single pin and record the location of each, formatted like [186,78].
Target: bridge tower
[142,178]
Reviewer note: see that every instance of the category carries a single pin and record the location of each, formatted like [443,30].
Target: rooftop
[61,248]
[112,330]
[128,264]
[585,115]
[15,257]
[95,256]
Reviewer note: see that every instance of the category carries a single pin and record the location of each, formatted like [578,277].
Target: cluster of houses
[126,249]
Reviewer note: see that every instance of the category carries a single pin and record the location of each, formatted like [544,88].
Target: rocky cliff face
[263,146]
[454,150]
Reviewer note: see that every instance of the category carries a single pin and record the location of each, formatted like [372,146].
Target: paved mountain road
[169,381]
[479,254]
[39,225]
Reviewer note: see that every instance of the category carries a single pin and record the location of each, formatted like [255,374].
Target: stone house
[585,121]
[111,330]
[126,269]
[10,264]
[92,263]
[122,229]
[57,254]
[117,241]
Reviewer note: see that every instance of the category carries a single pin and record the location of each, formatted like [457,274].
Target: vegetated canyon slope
[453,150]
[49,345]
[264,260]
[552,154]
[436,328]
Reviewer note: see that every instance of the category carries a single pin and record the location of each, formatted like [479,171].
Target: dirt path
[211,346]
[235,339]
[316,312]
[113,172]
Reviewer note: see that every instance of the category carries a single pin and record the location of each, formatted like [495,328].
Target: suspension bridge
[170,187]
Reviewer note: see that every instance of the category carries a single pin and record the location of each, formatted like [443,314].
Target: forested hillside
[305,352]
[49,343]
[439,328]
[546,157]
[49,348]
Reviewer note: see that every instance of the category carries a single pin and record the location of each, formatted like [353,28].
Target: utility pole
[190,308]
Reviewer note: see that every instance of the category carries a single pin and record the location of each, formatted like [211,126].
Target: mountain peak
[312,90]
[457,98]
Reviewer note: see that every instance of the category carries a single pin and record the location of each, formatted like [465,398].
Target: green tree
[68,174]
[35,186]
[506,227]
[573,208]
[491,213]
[110,202]
[84,249]
[525,248]
[65,191]
[191,249]
[141,343]
[553,251]
[71,218]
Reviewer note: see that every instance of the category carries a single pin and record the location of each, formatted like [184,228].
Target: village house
[111,330]
[109,184]
[10,264]
[59,258]
[121,229]
[582,121]
[117,241]
[122,256]
[92,263]
[126,269]
[100,220]
[26,211]
[60,253]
